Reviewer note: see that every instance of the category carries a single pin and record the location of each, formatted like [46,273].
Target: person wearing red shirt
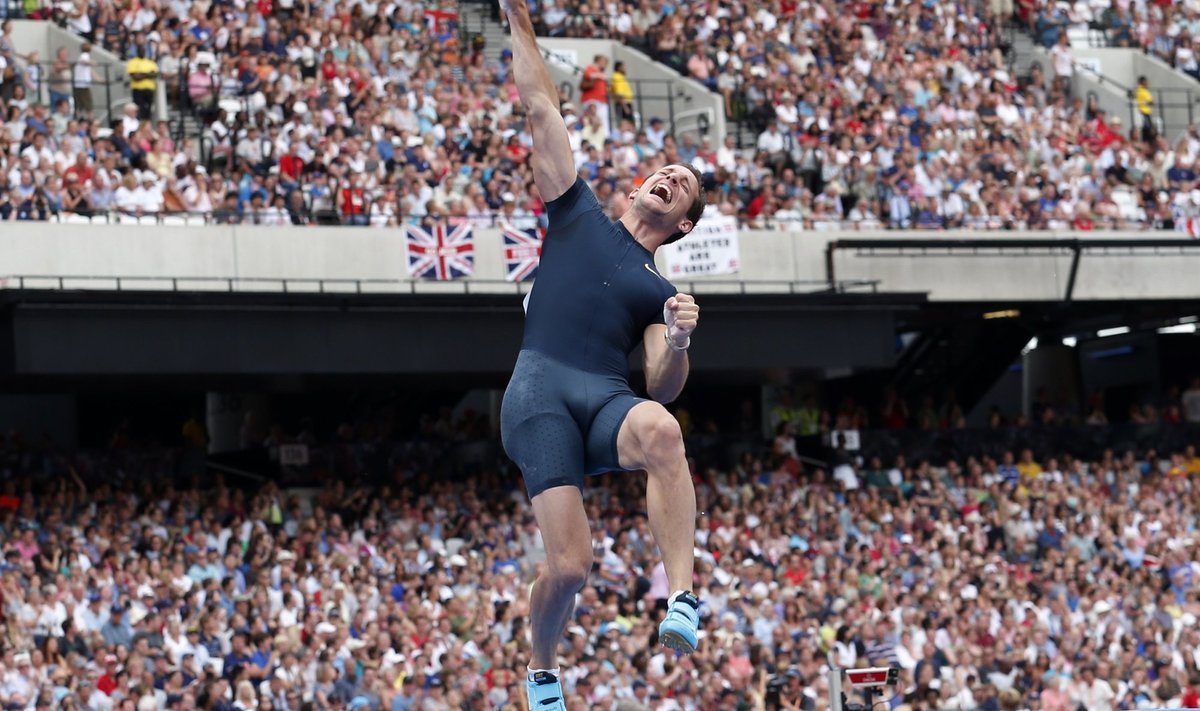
[108,682]
[353,203]
[796,573]
[1191,695]
[80,168]
[593,88]
[291,165]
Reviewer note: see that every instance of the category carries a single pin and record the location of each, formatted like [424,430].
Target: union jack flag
[522,252]
[440,254]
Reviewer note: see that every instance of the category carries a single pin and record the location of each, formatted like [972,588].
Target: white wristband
[671,344]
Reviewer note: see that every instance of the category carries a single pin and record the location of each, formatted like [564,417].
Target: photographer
[786,691]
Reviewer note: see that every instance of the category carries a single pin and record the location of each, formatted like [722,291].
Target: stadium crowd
[900,113]
[1024,580]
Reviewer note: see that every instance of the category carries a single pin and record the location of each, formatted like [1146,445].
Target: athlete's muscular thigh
[649,438]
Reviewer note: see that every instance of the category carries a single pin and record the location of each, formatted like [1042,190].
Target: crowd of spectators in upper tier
[891,114]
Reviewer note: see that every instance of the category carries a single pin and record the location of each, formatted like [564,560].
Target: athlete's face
[666,196]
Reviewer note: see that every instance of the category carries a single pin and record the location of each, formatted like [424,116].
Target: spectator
[622,93]
[81,81]
[593,89]
[143,75]
[1145,103]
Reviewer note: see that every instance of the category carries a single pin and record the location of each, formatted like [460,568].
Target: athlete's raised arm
[552,161]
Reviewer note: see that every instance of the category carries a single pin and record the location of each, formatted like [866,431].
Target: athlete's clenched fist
[681,314]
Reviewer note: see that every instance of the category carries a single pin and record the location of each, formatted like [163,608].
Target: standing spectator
[81,81]
[1064,64]
[593,89]
[61,78]
[202,86]
[622,93]
[143,75]
[1145,103]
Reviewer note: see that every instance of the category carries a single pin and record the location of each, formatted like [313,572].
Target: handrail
[1020,247]
[302,285]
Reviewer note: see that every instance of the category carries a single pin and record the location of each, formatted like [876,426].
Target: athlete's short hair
[696,211]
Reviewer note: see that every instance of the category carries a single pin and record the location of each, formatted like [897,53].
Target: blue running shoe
[678,629]
[545,692]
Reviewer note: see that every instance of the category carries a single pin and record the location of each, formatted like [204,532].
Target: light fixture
[1069,341]
[1117,331]
[1005,313]
[1033,343]
[1179,328]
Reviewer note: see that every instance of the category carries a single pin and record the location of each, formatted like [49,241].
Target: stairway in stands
[183,123]
[479,18]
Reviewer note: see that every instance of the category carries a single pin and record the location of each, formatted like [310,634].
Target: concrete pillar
[1056,369]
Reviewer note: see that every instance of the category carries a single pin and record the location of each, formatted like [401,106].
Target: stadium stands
[348,117]
[398,583]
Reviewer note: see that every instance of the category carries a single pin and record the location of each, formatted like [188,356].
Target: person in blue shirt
[116,631]
[569,410]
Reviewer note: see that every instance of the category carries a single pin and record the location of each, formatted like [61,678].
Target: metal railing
[468,286]
[902,247]
[644,90]
[1084,441]
[281,216]
[43,88]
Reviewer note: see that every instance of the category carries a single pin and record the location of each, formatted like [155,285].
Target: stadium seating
[943,137]
[981,574]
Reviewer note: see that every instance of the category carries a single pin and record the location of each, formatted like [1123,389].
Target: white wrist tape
[673,332]
[671,344]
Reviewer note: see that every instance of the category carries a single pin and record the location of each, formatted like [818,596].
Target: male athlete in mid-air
[568,410]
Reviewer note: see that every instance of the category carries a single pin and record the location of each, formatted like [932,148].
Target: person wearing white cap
[20,688]
[149,195]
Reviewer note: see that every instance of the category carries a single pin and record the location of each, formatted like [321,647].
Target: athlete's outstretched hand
[681,314]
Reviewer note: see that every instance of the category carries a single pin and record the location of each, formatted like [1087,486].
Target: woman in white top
[126,199]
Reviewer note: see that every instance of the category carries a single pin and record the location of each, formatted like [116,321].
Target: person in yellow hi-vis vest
[143,80]
[622,92]
[1145,104]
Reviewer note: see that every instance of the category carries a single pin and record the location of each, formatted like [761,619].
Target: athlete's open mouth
[662,191]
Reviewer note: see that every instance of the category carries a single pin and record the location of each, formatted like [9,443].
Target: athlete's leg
[547,444]
[650,439]
[564,525]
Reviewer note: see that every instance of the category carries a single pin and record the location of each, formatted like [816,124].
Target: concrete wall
[1111,73]
[46,38]
[264,258]
[663,92]
[1175,93]
[1111,98]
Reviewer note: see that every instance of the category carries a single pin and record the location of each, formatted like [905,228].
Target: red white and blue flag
[441,253]
[522,252]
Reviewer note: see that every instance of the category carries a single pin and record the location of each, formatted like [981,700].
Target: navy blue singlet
[597,290]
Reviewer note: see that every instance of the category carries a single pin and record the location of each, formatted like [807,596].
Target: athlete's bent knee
[569,572]
[662,441]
